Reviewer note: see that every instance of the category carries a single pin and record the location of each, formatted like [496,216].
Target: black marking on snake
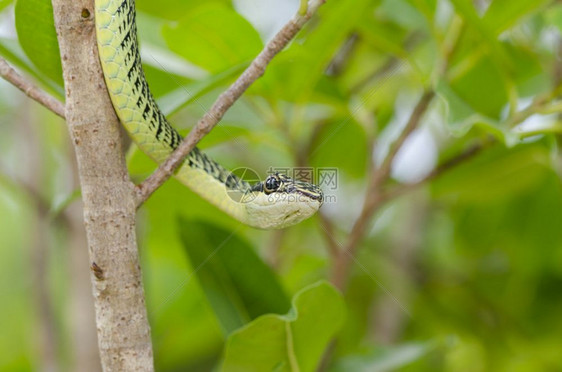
[132,68]
[145,91]
[146,111]
[168,137]
[176,138]
[128,56]
[156,115]
[159,130]
[133,52]
[124,7]
[121,7]
[207,165]
[137,83]
[154,118]
[130,72]
[131,16]
[232,182]
[125,40]
[137,62]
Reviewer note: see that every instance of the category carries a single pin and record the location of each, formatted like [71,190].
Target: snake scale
[277,202]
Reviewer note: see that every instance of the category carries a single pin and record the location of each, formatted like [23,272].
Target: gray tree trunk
[108,195]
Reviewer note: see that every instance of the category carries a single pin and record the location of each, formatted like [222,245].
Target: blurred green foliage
[461,274]
[221,259]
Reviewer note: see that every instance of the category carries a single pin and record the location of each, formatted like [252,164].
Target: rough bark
[108,195]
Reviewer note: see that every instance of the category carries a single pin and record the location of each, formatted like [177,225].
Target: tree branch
[107,193]
[383,172]
[461,158]
[30,89]
[225,101]
[374,198]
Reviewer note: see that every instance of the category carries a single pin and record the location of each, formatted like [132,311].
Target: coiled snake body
[277,202]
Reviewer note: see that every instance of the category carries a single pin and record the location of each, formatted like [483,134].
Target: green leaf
[457,109]
[553,16]
[486,33]
[346,135]
[291,342]
[36,32]
[426,7]
[183,96]
[388,38]
[213,37]
[495,175]
[237,283]
[11,51]
[503,14]
[469,87]
[295,73]
[528,74]
[5,3]
[403,13]
[464,122]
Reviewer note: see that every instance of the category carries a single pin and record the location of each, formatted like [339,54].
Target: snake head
[280,201]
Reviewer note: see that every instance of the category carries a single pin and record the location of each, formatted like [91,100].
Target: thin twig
[30,89]
[461,158]
[374,198]
[383,172]
[538,103]
[225,101]
[339,62]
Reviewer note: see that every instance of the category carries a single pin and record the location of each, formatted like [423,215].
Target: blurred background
[460,268]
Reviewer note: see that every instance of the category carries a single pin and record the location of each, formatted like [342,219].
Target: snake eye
[271,184]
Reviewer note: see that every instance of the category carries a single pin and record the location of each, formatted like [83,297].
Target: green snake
[277,202]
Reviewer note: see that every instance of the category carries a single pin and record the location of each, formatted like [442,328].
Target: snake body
[277,202]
